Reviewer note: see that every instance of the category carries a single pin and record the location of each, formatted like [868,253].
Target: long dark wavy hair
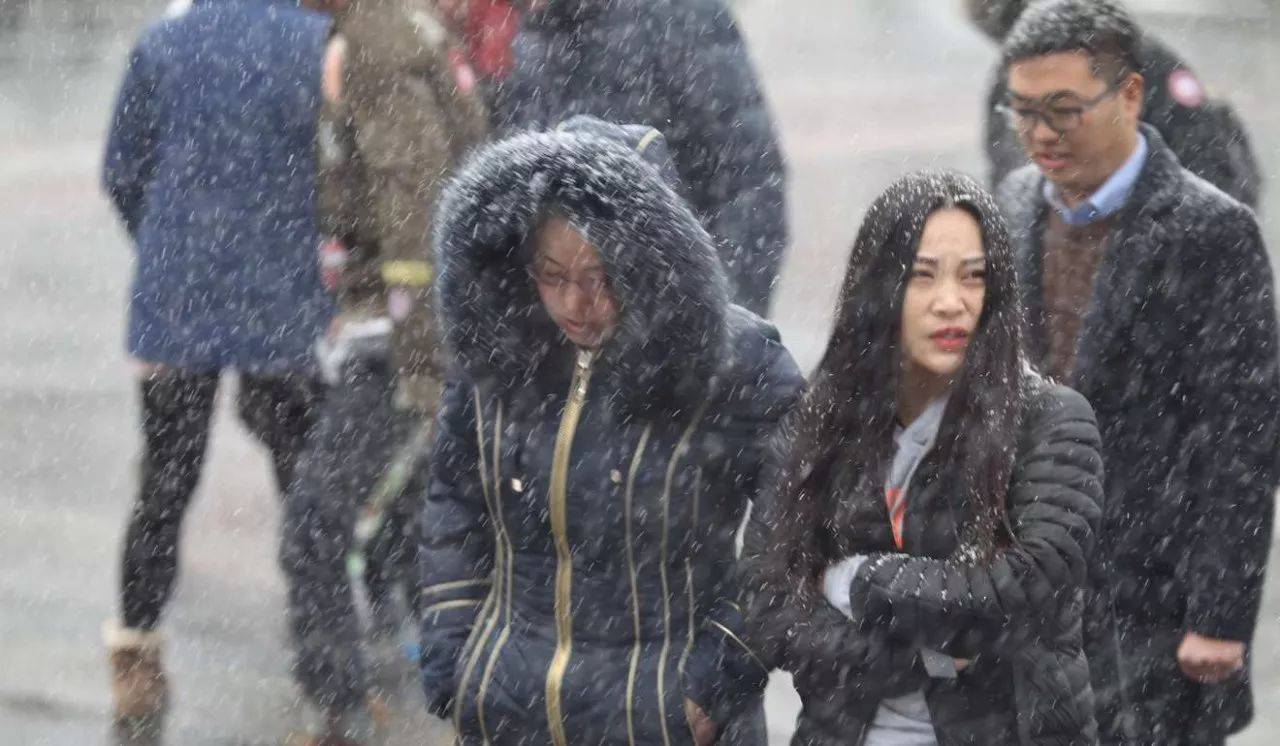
[836,445]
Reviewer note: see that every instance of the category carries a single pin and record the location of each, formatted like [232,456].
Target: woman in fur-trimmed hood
[597,449]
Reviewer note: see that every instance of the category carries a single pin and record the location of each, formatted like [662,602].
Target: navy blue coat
[580,578]
[210,162]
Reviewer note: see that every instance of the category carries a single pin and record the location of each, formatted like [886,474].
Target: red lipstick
[950,339]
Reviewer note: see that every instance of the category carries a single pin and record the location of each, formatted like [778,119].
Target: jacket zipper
[558,495]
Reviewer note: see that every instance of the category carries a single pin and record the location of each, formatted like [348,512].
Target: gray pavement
[863,90]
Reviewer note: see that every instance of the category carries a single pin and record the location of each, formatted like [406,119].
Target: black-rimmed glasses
[592,284]
[1060,112]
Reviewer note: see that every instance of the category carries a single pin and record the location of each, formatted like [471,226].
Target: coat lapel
[1125,277]
[1027,219]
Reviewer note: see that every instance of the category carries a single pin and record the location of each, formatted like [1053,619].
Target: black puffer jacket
[680,66]
[580,525]
[1178,354]
[1019,617]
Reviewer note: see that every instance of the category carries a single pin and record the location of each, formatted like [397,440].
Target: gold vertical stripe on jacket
[452,585]
[680,448]
[693,631]
[558,496]
[628,499]
[504,604]
[493,601]
[693,598]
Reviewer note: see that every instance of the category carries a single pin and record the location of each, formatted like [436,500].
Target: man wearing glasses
[1204,131]
[1150,292]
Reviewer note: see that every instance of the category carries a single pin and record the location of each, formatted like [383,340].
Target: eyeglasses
[1060,112]
[593,284]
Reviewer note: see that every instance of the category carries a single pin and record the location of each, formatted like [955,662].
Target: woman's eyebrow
[586,266]
[974,260]
[544,259]
[929,260]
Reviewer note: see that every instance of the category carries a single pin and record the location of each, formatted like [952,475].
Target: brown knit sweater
[1072,255]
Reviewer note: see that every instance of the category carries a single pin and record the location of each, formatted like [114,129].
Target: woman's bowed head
[598,446]
[573,283]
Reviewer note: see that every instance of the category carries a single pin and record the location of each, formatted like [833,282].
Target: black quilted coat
[1019,616]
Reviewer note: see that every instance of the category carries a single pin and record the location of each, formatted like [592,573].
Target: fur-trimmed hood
[662,267]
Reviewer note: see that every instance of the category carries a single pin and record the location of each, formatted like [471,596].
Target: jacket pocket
[1049,706]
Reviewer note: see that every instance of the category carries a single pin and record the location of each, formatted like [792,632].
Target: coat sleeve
[726,150]
[457,546]
[1111,695]
[1232,452]
[724,674]
[964,609]
[130,156]
[792,627]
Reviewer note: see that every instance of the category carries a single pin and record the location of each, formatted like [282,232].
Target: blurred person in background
[1204,132]
[1150,292]
[488,32]
[680,66]
[596,453]
[401,107]
[210,163]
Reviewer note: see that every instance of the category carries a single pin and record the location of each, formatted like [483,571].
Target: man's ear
[1133,91]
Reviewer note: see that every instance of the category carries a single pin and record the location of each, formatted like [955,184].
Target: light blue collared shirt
[1110,197]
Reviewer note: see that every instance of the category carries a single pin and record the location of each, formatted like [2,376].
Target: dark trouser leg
[345,454]
[279,411]
[391,557]
[176,408]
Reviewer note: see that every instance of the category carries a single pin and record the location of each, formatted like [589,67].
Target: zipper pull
[582,372]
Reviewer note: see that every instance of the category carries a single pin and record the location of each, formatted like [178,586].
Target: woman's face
[944,295]
[573,285]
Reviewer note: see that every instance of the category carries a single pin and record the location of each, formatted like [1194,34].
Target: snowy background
[863,90]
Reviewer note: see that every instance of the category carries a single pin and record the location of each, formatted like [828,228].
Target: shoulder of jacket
[400,22]
[1050,404]
[751,338]
[1020,188]
[757,360]
[1206,221]
[427,28]
[1211,200]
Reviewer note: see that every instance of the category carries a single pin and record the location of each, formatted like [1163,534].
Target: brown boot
[139,691]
